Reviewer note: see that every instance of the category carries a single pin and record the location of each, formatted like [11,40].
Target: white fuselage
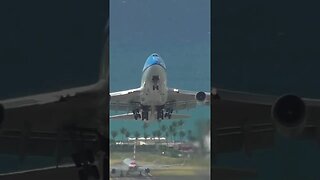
[154,90]
[131,164]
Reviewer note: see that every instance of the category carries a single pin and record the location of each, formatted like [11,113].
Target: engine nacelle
[289,114]
[147,170]
[201,97]
[113,171]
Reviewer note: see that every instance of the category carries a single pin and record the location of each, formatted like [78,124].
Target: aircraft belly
[151,96]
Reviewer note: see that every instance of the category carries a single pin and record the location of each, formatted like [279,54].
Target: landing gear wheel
[160,114]
[113,171]
[136,114]
[168,113]
[147,170]
[155,87]
[145,115]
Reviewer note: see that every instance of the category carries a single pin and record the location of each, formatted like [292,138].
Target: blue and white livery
[153,100]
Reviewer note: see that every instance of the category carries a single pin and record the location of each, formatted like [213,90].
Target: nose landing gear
[160,112]
[155,80]
[136,114]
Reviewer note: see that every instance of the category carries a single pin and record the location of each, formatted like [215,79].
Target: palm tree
[167,136]
[159,123]
[127,135]
[190,136]
[172,130]
[181,135]
[180,123]
[145,126]
[145,135]
[174,124]
[158,134]
[174,134]
[114,135]
[123,132]
[137,135]
[163,128]
[154,134]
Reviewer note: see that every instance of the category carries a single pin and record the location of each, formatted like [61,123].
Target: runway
[168,177]
[168,173]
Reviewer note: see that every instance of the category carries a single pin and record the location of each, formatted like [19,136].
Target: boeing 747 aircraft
[153,99]
[65,123]
[248,121]
[130,166]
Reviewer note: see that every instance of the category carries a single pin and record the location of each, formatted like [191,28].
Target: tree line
[172,131]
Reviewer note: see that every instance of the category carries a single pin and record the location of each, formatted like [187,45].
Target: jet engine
[147,170]
[289,114]
[201,97]
[113,171]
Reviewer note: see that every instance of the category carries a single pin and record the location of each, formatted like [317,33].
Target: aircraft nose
[153,59]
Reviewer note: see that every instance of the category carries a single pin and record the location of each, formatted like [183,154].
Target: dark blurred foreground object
[55,47]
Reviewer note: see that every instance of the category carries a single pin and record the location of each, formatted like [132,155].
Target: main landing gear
[168,113]
[161,114]
[144,113]
[136,114]
[84,159]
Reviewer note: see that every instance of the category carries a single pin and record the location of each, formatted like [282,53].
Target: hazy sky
[179,30]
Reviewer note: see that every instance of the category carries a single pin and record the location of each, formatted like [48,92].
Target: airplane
[153,100]
[131,166]
[66,123]
[243,121]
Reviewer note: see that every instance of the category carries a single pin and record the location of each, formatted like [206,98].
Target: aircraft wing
[127,100]
[244,121]
[48,124]
[179,99]
[129,116]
